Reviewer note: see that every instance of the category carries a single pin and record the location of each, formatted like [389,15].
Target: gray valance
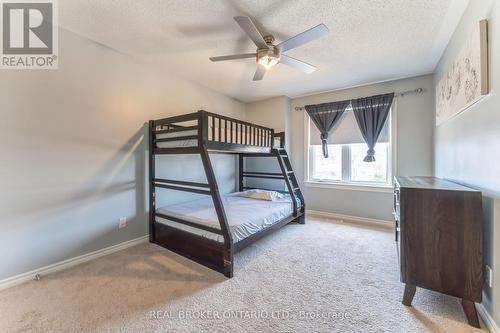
[325,116]
[371,114]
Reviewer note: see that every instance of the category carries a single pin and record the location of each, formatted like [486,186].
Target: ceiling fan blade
[297,64]
[251,30]
[234,56]
[259,73]
[305,37]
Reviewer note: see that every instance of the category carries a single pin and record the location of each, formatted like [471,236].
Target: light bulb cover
[268,61]
[268,57]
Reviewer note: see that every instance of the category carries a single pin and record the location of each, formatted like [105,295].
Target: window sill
[351,187]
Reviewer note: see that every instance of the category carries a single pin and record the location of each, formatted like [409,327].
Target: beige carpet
[318,277]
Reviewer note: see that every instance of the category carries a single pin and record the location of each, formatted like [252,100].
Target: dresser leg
[409,293]
[471,313]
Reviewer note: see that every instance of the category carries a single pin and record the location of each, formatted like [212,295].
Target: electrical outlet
[123,222]
[488,276]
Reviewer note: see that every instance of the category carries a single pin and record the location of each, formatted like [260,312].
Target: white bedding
[179,143]
[194,142]
[246,216]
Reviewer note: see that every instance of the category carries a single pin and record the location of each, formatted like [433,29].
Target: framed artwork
[466,81]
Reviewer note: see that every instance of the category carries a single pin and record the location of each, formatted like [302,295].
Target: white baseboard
[356,219]
[487,319]
[28,276]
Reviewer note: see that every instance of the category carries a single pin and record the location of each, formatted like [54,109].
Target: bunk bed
[209,231]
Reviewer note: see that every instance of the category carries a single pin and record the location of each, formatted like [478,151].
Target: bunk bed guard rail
[185,133]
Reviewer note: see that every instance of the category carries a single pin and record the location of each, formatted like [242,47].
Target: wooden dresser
[439,231]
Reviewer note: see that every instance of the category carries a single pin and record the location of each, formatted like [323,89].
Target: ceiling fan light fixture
[269,61]
[268,57]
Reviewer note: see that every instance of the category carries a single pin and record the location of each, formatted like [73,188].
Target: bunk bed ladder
[291,175]
[290,180]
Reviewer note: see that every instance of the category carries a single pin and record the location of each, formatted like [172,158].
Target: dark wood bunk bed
[208,132]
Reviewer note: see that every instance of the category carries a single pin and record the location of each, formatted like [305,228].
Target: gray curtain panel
[371,114]
[325,116]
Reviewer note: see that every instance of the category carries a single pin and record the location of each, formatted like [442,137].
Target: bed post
[214,190]
[240,171]
[152,190]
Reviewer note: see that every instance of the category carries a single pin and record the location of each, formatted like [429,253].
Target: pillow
[261,195]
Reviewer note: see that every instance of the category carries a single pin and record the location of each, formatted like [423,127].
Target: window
[346,151]
[326,169]
[377,171]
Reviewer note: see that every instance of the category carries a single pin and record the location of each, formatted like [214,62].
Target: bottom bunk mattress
[246,216]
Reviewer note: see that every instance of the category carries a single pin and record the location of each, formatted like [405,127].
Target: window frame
[350,185]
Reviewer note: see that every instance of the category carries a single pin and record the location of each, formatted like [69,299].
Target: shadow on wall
[48,224]
[104,177]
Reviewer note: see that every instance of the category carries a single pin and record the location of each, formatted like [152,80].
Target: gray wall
[73,146]
[273,113]
[269,112]
[467,146]
[415,123]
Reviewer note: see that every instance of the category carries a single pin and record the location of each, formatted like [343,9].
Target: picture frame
[467,79]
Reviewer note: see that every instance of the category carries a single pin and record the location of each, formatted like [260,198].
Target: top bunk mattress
[246,216]
[213,135]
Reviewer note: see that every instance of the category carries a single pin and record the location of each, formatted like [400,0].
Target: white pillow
[261,195]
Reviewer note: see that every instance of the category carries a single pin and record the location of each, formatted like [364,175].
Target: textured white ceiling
[369,40]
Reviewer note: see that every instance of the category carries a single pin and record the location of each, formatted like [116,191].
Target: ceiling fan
[268,54]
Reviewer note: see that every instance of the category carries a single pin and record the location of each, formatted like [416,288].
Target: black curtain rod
[400,94]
